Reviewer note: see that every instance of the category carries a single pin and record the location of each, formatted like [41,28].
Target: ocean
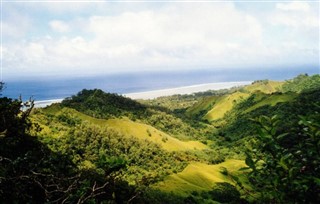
[49,88]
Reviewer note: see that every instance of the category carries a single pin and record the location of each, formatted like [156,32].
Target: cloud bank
[99,38]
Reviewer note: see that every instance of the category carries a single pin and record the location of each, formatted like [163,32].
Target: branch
[93,193]
[133,197]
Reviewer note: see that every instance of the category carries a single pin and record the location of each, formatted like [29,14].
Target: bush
[225,193]
[284,172]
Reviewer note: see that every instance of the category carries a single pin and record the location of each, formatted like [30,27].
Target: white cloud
[59,7]
[181,32]
[169,37]
[15,25]
[296,14]
[59,26]
[293,6]
[295,20]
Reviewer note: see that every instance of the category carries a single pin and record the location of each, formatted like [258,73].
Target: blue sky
[85,38]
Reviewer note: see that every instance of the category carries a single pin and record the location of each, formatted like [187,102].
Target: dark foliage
[224,193]
[13,122]
[240,125]
[31,173]
[282,172]
[104,105]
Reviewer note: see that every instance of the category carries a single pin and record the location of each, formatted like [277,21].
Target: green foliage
[99,104]
[225,193]
[239,124]
[72,158]
[282,171]
[301,83]
[106,150]
[103,105]
[31,173]
[158,197]
[171,124]
[179,103]
[13,122]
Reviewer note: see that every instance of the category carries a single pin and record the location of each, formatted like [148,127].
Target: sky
[81,38]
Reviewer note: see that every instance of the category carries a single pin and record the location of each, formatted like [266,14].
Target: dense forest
[251,144]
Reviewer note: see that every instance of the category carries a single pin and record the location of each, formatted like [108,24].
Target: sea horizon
[134,84]
[182,90]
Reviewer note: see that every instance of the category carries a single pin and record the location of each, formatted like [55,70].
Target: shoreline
[185,90]
[44,103]
[164,92]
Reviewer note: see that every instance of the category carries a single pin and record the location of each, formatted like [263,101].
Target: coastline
[164,92]
[185,90]
[44,103]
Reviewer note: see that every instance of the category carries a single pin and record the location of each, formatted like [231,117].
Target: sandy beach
[44,103]
[185,90]
[164,92]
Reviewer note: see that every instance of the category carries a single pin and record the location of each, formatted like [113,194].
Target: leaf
[276,123]
[236,179]
[317,180]
[291,171]
[244,169]
[283,164]
[279,137]
[275,117]
[250,162]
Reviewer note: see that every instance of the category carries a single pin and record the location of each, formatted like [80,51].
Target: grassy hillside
[147,132]
[215,107]
[223,105]
[200,177]
[261,100]
[202,107]
[301,83]
[176,149]
[130,128]
[264,86]
[239,126]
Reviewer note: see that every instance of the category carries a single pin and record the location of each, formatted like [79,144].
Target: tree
[1,87]
[13,121]
[31,173]
[285,166]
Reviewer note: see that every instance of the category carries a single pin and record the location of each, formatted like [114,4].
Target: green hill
[96,146]
[104,105]
[147,132]
[200,177]
[215,107]
[129,128]
[264,86]
[223,105]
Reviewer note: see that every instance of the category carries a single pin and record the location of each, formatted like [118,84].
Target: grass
[203,105]
[199,177]
[147,132]
[135,129]
[265,87]
[272,100]
[224,104]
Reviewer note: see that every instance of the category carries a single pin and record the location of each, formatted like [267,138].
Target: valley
[205,147]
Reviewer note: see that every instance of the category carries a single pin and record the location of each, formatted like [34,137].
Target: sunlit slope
[264,86]
[139,130]
[271,100]
[199,177]
[215,107]
[147,132]
[202,106]
[224,104]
